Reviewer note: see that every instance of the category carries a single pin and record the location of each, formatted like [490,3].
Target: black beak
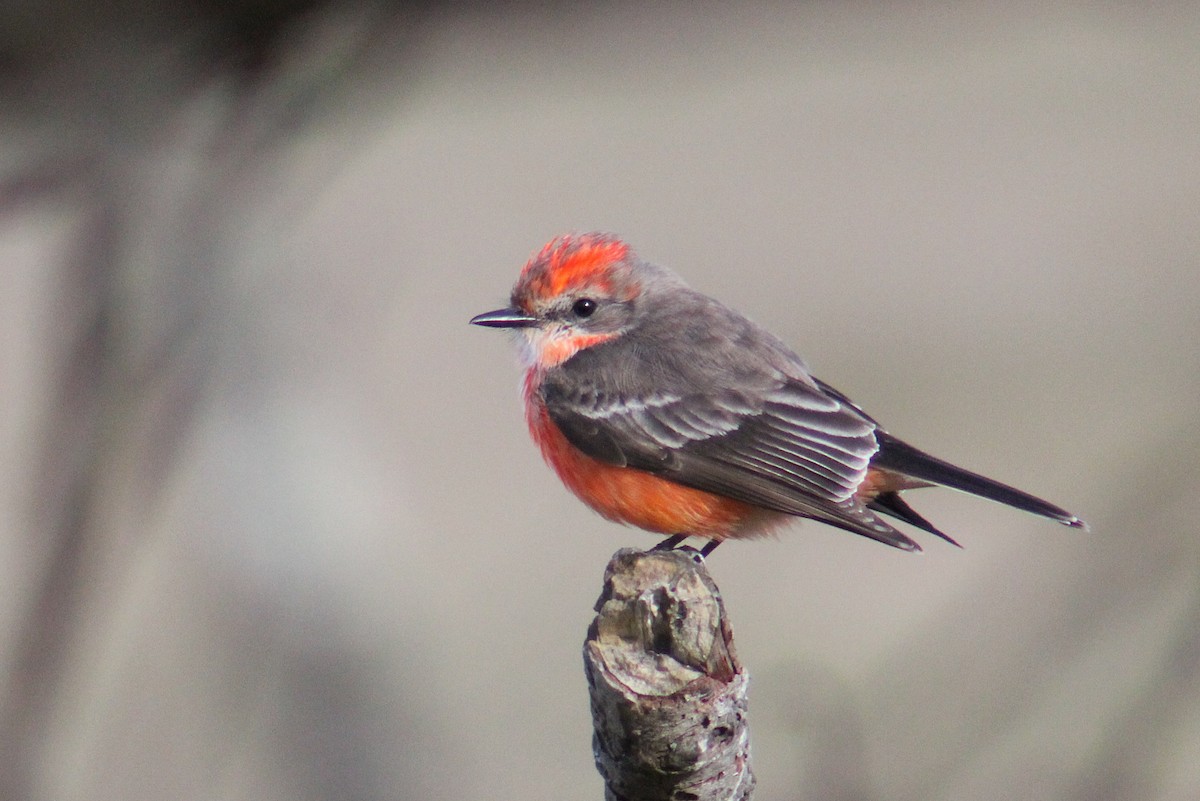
[504,318]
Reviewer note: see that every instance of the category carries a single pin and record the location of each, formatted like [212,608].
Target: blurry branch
[159,124]
[668,694]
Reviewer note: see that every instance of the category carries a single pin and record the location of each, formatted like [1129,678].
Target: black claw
[670,542]
[709,547]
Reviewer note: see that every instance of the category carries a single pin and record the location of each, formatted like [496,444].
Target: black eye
[584,307]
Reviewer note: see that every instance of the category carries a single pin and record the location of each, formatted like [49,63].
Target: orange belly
[641,499]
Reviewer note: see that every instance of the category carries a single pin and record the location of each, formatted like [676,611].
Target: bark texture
[668,694]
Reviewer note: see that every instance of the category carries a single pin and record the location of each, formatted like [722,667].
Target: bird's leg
[670,542]
[709,547]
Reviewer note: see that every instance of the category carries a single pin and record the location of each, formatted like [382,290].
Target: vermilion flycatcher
[662,408]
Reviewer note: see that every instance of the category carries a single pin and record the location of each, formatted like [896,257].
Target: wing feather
[802,443]
[745,421]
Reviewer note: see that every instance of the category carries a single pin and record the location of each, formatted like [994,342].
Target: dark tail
[890,503]
[906,460]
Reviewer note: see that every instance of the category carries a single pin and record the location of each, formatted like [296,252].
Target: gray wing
[750,431]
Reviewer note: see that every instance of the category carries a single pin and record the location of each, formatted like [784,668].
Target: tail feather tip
[1075,522]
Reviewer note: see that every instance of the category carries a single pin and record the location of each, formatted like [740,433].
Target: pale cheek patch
[543,348]
[529,345]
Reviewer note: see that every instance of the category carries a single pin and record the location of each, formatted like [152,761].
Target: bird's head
[578,291]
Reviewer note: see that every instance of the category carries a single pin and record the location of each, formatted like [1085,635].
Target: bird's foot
[675,540]
[670,543]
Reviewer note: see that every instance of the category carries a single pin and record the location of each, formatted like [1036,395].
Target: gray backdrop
[270,525]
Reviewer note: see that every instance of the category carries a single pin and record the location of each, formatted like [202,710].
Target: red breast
[638,498]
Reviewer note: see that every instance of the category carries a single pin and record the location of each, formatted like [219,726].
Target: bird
[662,408]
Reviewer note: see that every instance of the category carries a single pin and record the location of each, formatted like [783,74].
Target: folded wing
[786,446]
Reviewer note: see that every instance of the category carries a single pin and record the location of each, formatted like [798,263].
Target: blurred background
[270,524]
